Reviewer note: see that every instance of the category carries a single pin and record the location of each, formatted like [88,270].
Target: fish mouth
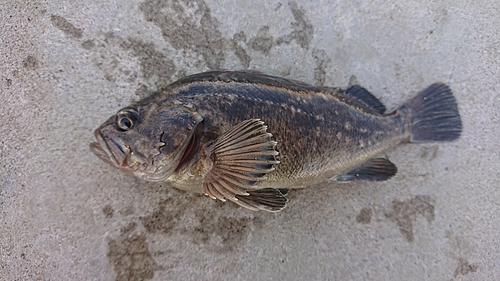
[109,151]
[154,169]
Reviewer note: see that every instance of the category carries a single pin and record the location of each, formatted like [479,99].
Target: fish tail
[434,115]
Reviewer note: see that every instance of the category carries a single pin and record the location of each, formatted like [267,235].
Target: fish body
[248,137]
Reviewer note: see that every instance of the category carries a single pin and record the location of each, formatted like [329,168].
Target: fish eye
[126,119]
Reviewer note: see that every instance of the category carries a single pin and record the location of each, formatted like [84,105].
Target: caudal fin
[435,115]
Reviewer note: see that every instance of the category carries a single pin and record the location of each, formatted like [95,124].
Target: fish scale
[306,157]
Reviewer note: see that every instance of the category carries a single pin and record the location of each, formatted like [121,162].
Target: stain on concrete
[181,73]
[464,267]
[188,25]
[108,211]
[302,33]
[459,248]
[239,51]
[353,80]
[302,28]
[459,244]
[88,44]
[157,70]
[218,232]
[126,210]
[222,232]
[404,213]
[109,37]
[232,230]
[30,62]
[322,60]
[155,65]
[143,91]
[130,255]
[103,56]
[65,26]
[163,219]
[364,216]
[263,41]
[429,153]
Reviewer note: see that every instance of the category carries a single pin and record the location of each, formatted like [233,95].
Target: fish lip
[101,149]
[105,152]
[116,154]
[100,152]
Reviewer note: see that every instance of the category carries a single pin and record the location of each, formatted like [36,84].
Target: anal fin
[377,169]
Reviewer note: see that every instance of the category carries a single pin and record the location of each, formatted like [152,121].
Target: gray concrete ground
[66,66]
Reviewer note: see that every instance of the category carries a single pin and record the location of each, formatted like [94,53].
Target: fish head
[147,141]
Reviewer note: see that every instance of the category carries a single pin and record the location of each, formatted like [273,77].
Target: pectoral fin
[241,156]
[377,169]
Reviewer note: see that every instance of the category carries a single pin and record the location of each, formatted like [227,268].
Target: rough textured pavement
[66,66]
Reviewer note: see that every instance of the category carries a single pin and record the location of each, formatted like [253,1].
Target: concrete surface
[66,66]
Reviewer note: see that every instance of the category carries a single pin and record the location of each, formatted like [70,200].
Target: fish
[248,137]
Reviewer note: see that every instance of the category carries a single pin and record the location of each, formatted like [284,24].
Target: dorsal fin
[253,77]
[365,97]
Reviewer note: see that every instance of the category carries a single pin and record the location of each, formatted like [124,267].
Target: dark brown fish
[248,137]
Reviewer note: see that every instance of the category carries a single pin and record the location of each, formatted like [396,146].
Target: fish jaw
[150,166]
[112,152]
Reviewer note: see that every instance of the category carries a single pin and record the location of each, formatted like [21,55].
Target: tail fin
[435,115]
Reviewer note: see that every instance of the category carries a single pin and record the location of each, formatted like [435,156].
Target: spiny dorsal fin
[365,97]
[241,156]
[250,77]
[267,199]
[377,169]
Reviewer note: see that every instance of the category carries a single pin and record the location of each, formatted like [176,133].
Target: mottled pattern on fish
[321,133]
[318,135]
